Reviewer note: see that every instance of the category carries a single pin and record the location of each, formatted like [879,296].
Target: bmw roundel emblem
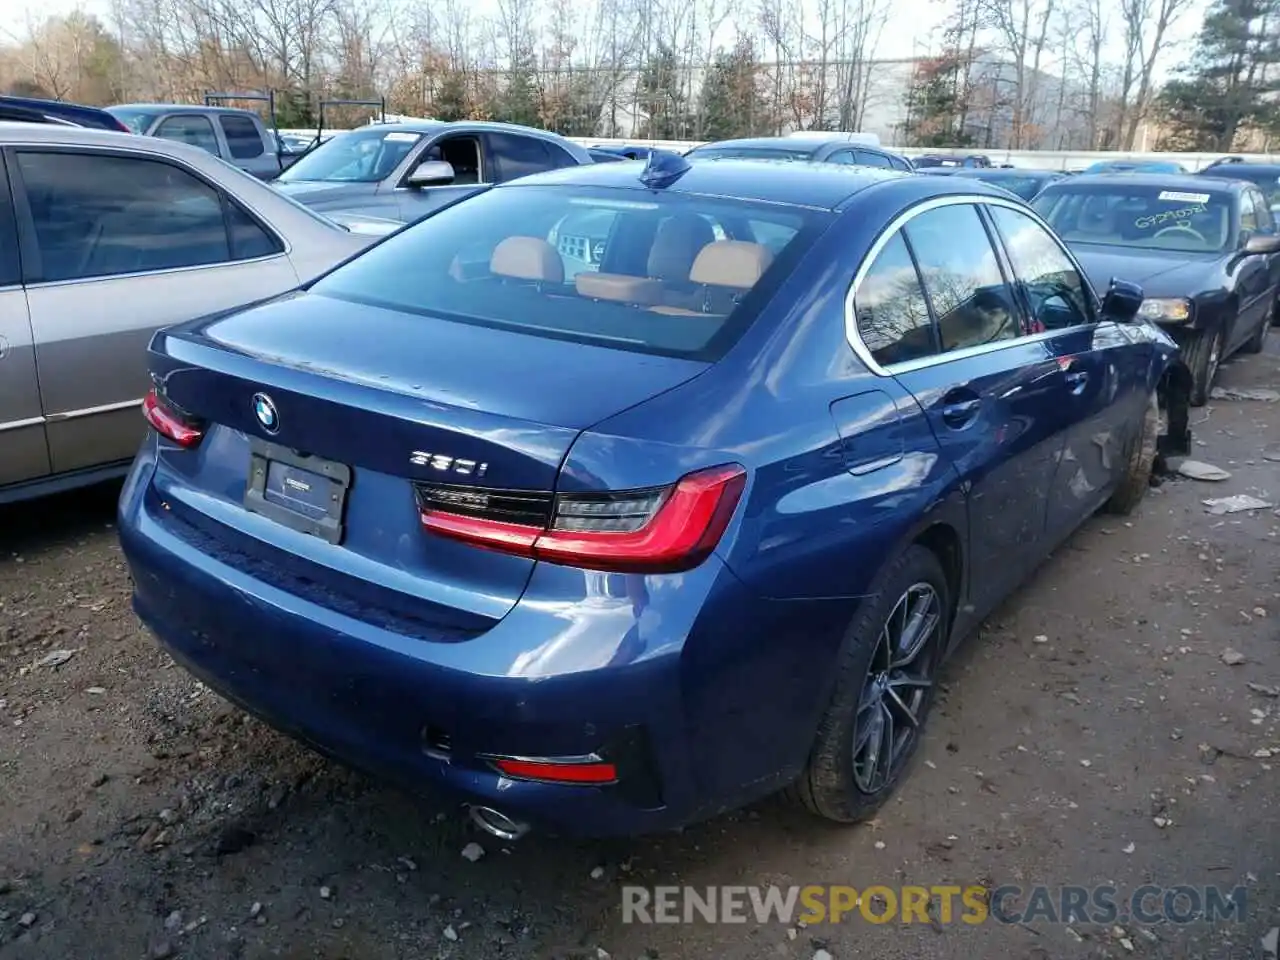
[265,411]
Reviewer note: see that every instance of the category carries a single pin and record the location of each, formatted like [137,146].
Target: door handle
[959,409]
[1077,380]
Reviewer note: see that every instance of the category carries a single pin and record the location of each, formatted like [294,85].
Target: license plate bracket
[298,490]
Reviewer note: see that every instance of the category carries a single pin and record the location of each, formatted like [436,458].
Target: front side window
[1266,219]
[99,215]
[1056,293]
[242,136]
[1146,217]
[962,277]
[586,264]
[195,130]
[890,308]
[360,156]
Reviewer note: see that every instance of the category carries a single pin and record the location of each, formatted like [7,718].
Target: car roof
[823,186]
[178,108]
[58,135]
[1249,165]
[1172,181]
[798,143]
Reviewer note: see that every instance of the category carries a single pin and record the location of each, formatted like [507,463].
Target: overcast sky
[911,26]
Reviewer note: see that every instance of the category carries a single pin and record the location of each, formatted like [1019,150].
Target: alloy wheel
[897,687]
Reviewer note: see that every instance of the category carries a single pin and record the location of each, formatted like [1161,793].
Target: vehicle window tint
[841,156]
[869,159]
[560,157]
[249,239]
[97,215]
[519,156]
[1055,292]
[242,137]
[962,277]
[1266,219]
[890,308]
[197,131]
[664,285]
[1248,215]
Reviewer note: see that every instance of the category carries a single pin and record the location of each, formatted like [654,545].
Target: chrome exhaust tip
[498,824]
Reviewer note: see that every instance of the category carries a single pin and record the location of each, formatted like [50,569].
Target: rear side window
[242,136]
[195,130]
[519,156]
[891,310]
[962,277]
[100,215]
[668,274]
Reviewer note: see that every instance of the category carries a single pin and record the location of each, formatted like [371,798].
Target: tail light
[170,422]
[653,530]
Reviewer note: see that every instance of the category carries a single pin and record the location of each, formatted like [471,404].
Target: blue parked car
[612,498]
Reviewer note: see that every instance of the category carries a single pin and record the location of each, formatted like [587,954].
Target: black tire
[1199,353]
[833,784]
[1137,476]
[1255,343]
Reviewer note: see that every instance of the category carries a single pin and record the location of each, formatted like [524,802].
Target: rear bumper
[673,683]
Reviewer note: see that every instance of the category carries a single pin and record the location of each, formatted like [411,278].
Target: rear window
[1148,217]
[656,273]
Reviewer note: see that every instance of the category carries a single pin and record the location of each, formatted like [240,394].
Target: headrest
[619,287]
[731,263]
[527,258]
[676,245]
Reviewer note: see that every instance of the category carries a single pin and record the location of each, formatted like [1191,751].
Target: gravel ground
[1110,724]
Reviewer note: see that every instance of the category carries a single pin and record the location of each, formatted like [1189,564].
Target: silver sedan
[104,238]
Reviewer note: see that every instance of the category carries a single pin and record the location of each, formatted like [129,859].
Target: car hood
[320,193]
[1159,273]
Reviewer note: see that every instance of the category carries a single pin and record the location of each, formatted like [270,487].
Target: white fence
[1038,159]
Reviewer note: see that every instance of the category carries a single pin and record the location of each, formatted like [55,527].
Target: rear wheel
[884,689]
[1259,339]
[1137,476]
[1203,354]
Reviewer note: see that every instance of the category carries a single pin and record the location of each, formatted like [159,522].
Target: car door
[116,244]
[247,145]
[24,453]
[473,168]
[1104,364]
[1254,277]
[1267,225]
[992,394]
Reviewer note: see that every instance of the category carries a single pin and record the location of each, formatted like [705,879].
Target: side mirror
[1262,243]
[1122,301]
[432,173]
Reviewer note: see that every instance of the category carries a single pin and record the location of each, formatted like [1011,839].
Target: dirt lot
[1093,733]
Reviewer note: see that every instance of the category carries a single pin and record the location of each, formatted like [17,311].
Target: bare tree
[1146,28]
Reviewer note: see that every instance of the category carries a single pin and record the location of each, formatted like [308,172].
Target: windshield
[136,120]
[361,156]
[1151,218]
[750,153]
[670,274]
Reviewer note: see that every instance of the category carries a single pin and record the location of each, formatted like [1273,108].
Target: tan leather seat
[724,270]
[527,258]
[619,287]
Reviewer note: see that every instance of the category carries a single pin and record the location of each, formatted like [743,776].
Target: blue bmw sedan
[616,497]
